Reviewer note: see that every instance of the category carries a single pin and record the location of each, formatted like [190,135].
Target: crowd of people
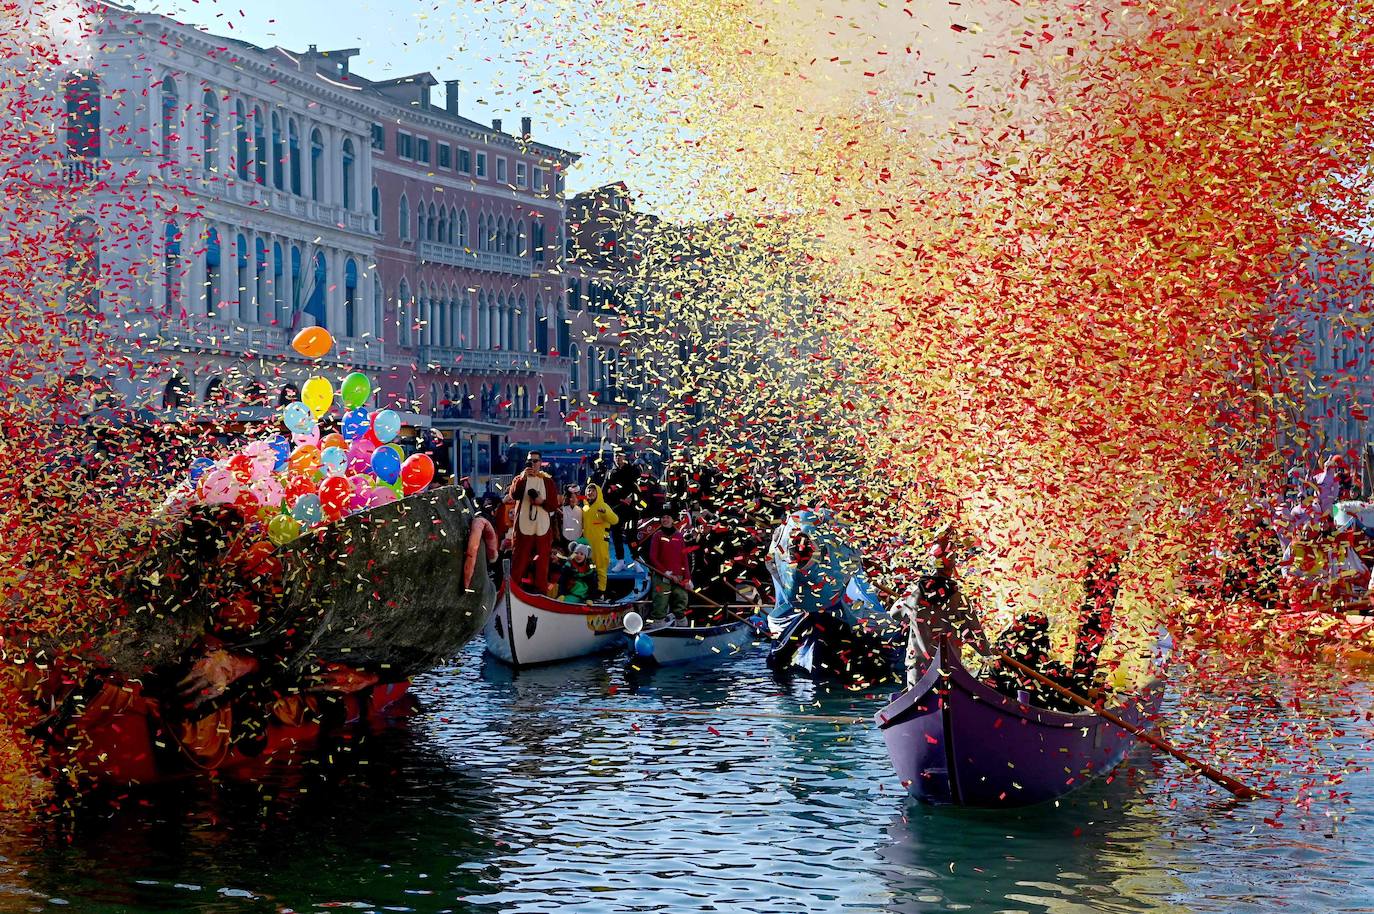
[570,541]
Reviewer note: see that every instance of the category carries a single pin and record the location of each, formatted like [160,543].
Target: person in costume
[535,497]
[577,576]
[570,515]
[672,569]
[597,522]
[622,494]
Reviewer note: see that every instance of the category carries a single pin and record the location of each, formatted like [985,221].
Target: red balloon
[335,494]
[416,473]
[242,468]
[298,484]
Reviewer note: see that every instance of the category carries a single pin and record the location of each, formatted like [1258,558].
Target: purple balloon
[360,456]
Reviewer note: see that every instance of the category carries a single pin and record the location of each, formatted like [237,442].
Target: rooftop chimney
[525,125]
[496,124]
[451,95]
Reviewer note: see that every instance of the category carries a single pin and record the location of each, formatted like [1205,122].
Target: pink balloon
[382,495]
[311,437]
[262,455]
[219,487]
[360,455]
[268,492]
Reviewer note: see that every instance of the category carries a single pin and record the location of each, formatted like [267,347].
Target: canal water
[571,789]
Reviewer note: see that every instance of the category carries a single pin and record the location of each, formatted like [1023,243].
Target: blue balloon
[297,417]
[355,424]
[283,450]
[199,467]
[334,458]
[644,646]
[307,509]
[386,425]
[386,463]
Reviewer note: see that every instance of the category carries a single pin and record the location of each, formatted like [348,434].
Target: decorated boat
[528,629]
[827,621]
[359,606]
[954,739]
[678,642]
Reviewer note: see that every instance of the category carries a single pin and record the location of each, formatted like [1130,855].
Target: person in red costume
[536,498]
[668,559]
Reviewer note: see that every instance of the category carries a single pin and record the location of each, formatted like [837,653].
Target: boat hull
[955,740]
[679,645]
[527,630]
[823,646]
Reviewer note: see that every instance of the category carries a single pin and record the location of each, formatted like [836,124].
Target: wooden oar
[1240,790]
[700,596]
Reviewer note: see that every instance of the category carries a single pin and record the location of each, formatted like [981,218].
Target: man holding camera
[536,498]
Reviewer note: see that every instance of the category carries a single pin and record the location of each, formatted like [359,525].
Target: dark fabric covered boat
[823,645]
[954,739]
[382,590]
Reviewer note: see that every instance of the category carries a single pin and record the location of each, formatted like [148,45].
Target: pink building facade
[469,267]
[469,227]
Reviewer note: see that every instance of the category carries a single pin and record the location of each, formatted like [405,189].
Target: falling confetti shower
[1037,267]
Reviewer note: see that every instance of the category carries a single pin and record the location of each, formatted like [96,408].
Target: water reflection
[575,788]
[1064,859]
[386,821]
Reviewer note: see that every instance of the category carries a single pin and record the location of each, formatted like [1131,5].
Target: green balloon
[355,390]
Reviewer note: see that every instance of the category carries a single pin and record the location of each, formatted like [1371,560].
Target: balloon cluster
[314,477]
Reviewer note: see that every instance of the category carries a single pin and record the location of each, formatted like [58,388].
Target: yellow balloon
[318,394]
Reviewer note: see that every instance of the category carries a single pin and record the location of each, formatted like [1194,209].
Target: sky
[398,37]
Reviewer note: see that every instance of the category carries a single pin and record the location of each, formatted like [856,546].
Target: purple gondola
[956,740]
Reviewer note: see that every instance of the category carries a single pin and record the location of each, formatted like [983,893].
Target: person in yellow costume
[597,521]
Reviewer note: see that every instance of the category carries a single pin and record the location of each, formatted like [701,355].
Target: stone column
[329,166]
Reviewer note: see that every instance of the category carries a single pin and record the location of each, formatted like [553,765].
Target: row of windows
[254,286]
[448,225]
[600,296]
[264,146]
[413,148]
[491,402]
[446,318]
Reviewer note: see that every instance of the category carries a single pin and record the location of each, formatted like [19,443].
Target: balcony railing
[481,360]
[250,193]
[209,334]
[487,261]
[81,171]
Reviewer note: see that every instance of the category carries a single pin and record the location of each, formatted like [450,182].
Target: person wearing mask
[1101,585]
[598,520]
[671,568]
[535,497]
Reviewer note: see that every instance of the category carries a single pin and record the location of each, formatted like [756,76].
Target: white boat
[676,643]
[527,629]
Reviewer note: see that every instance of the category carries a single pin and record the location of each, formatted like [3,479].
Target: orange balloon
[334,440]
[305,459]
[313,342]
